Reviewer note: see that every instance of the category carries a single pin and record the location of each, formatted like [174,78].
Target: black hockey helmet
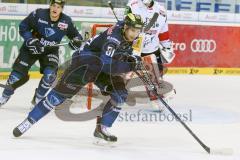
[134,20]
[60,2]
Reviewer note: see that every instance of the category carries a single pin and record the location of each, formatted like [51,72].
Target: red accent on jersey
[110,29]
[163,36]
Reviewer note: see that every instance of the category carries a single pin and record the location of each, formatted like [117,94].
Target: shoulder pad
[113,40]
[66,17]
[162,10]
[35,12]
[39,11]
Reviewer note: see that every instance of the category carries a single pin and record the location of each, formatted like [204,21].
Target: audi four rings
[203,45]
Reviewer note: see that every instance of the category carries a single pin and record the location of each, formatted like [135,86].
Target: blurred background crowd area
[233,4]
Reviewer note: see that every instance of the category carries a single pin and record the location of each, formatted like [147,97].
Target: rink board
[170,71]
[200,47]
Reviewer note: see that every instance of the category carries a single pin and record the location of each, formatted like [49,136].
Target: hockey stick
[60,44]
[145,77]
[57,45]
[114,13]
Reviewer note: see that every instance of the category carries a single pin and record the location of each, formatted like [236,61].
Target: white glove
[167,54]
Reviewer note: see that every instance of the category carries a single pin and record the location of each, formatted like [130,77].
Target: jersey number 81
[110,51]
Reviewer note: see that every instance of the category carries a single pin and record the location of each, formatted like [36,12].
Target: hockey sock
[45,83]
[110,114]
[52,100]
[14,77]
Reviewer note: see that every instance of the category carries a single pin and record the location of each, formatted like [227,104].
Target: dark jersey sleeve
[27,25]
[72,31]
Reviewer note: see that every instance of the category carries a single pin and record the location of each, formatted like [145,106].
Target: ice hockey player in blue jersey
[41,28]
[104,60]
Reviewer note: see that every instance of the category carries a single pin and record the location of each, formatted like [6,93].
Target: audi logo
[203,45]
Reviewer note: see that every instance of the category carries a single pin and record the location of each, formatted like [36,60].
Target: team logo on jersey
[62,25]
[46,42]
[49,32]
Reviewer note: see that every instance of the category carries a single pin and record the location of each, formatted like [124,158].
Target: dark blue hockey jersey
[39,25]
[108,45]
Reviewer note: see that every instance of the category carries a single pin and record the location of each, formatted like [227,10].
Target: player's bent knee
[17,79]
[49,77]
[53,99]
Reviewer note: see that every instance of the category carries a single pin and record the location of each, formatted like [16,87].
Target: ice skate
[23,127]
[103,137]
[3,100]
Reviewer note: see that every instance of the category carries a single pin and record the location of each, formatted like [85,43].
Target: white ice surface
[213,100]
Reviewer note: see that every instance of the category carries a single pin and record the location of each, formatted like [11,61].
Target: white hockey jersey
[159,31]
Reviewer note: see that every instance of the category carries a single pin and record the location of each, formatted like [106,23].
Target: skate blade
[101,142]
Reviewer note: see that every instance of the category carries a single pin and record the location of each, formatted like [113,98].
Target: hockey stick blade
[145,77]
[204,146]
[152,21]
[222,151]
[212,151]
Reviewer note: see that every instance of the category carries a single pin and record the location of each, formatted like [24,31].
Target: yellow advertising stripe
[33,75]
[170,71]
[204,71]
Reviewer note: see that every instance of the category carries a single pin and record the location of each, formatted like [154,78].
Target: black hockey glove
[35,46]
[134,61]
[121,56]
[75,43]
